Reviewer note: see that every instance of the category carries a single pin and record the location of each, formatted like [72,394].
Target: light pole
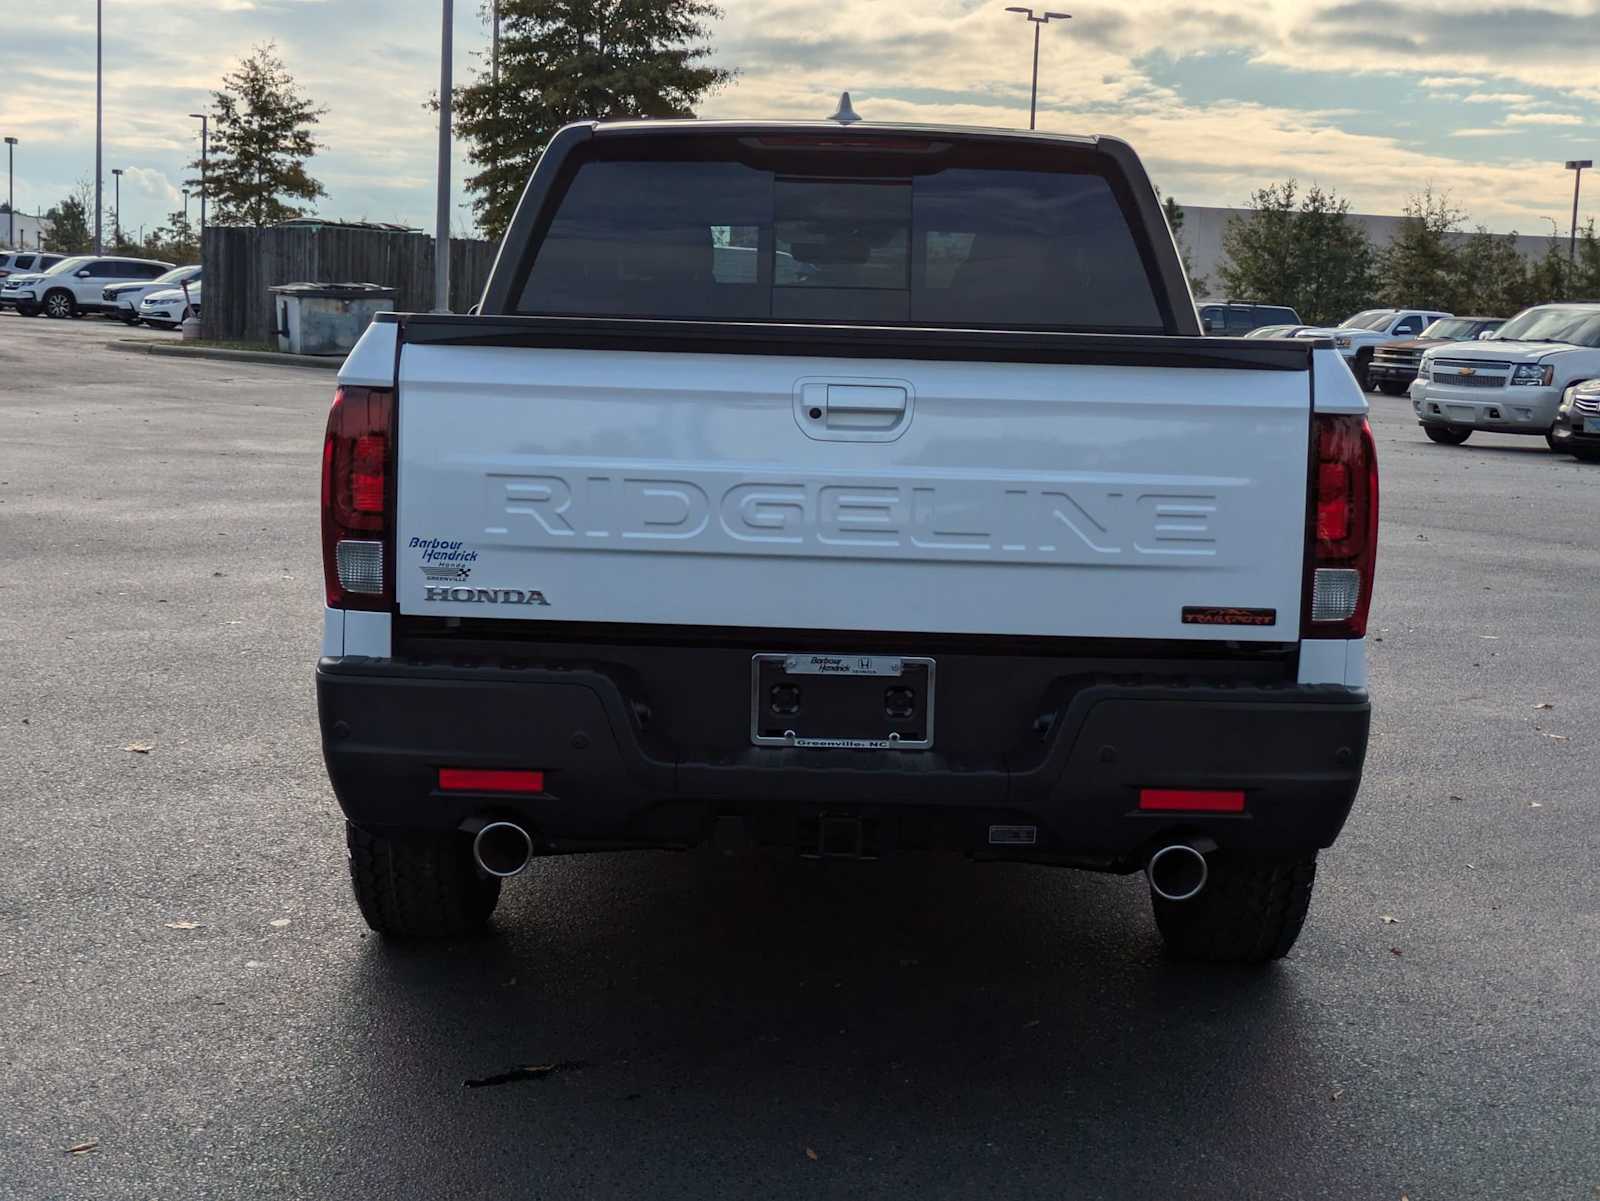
[1033,97]
[116,213]
[205,123]
[11,194]
[1576,166]
[441,224]
[186,206]
[98,174]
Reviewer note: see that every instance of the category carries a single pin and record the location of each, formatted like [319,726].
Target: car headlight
[1424,367]
[1566,399]
[1342,341]
[1533,375]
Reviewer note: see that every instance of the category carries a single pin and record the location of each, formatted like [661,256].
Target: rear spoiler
[932,344]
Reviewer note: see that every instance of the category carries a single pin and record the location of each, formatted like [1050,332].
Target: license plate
[1591,425]
[842,702]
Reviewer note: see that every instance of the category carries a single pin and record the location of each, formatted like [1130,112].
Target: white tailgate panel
[681,489]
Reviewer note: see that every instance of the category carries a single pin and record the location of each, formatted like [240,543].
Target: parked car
[1577,425]
[1356,338]
[77,286]
[165,309]
[1394,364]
[1275,331]
[593,583]
[23,262]
[1232,318]
[123,300]
[1512,383]
[11,287]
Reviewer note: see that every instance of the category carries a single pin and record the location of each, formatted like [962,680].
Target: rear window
[904,231]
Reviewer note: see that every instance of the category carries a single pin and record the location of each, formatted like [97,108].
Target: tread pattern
[419,887]
[1251,910]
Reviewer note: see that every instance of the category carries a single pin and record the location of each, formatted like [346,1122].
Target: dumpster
[326,318]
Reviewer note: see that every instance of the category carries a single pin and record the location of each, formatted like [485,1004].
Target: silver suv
[1511,383]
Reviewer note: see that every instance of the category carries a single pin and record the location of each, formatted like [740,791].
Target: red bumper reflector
[469,779]
[1191,799]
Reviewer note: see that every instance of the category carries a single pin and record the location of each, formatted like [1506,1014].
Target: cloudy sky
[1375,98]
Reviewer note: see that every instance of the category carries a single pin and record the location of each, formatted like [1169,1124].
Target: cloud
[1498,98]
[1544,119]
[1494,132]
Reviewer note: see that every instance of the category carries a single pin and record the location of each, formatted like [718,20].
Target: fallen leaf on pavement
[140,748]
[280,922]
[183,925]
[1394,950]
[1553,737]
[1336,1094]
[1389,919]
[810,1154]
[1544,705]
[80,1148]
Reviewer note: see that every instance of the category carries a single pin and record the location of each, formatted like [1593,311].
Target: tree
[1491,275]
[1302,251]
[1419,269]
[570,60]
[1174,212]
[71,228]
[260,140]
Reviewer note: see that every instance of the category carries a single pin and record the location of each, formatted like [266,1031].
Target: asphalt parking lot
[190,998]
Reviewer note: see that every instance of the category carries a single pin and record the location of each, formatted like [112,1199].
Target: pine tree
[1302,251]
[1419,268]
[571,60]
[260,140]
[1174,214]
[71,231]
[1491,276]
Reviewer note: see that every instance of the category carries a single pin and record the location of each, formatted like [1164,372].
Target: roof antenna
[844,114]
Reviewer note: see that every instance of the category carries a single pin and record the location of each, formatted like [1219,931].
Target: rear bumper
[1295,750]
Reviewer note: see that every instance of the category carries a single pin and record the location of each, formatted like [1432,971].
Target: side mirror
[1208,324]
[82,273]
[1485,335]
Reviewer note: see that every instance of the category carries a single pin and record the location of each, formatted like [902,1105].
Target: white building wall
[29,228]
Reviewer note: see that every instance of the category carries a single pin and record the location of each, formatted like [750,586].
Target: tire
[419,886]
[134,320]
[1446,435]
[1363,361]
[1250,911]
[1585,454]
[27,310]
[1393,387]
[59,304]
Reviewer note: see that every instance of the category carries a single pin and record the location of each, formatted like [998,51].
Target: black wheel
[133,320]
[1446,435]
[60,304]
[1363,361]
[1250,910]
[1585,454]
[1393,387]
[419,886]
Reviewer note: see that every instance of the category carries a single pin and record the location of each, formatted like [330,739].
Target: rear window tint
[729,229]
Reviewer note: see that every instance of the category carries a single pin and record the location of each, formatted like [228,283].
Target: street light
[186,206]
[441,224]
[205,123]
[99,175]
[116,214]
[1576,166]
[11,194]
[1033,98]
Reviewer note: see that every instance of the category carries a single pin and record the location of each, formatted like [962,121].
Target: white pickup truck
[943,527]
[1357,338]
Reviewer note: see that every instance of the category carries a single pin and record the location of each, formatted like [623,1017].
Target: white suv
[20,262]
[1512,383]
[1357,337]
[77,286]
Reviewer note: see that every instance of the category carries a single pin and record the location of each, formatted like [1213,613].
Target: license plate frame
[1591,425]
[834,697]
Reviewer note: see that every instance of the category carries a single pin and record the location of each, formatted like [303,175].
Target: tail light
[1344,527]
[358,500]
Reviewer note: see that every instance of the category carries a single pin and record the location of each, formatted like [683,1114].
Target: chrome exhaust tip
[502,849]
[1177,872]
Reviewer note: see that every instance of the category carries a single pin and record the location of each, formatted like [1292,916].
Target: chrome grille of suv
[1589,406]
[1457,380]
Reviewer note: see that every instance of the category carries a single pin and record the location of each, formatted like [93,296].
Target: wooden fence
[242,263]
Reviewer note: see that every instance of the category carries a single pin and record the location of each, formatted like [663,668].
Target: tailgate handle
[853,411]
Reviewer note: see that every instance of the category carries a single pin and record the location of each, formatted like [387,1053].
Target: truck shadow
[764,1007]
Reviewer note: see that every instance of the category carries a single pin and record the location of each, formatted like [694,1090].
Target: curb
[265,357]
